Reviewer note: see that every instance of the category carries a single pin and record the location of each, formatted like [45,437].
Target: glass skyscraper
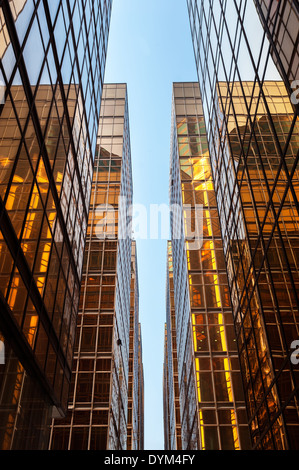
[51,71]
[247,56]
[107,383]
[135,439]
[280,21]
[171,395]
[209,387]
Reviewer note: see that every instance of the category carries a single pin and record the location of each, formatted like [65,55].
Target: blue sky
[150,48]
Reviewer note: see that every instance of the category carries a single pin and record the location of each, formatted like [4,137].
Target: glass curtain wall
[213,414]
[51,72]
[172,420]
[280,21]
[140,432]
[135,386]
[252,132]
[98,404]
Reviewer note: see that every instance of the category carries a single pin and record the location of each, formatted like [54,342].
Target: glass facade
[262,255]
[171,398]
[52,65]
[102,384]
[252,133]
[166,399]
[281,22]
[140,414]
[212,407]
[135,391]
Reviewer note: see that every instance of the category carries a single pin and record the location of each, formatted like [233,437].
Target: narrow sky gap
[149,48]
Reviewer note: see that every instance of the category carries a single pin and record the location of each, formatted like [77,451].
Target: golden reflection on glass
[99,312]
[262,183]
[17,387]
[197,185]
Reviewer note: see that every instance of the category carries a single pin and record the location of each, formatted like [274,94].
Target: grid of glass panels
[166,418]
[140,433]
[171,390]
[52,65]
[269,263]
[221,408]
[185,350]
[134,386]
[98,403]
[282,19]
[252,130]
